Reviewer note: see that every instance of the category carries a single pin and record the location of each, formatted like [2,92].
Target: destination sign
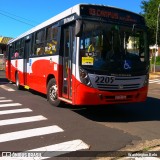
[111,13]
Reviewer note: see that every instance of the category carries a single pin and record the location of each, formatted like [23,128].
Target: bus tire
[19,87]
[52,94]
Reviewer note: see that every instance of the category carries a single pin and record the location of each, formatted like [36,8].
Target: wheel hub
[53,92]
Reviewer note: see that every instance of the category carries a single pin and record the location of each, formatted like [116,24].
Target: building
[3,47]
[3,44]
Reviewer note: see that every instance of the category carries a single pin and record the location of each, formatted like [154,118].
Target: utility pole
[156,45]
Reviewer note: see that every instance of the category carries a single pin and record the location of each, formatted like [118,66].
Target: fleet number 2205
[102,79]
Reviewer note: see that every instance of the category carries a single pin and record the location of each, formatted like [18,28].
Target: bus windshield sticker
[87,61]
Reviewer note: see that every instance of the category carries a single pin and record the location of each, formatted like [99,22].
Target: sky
[18,16]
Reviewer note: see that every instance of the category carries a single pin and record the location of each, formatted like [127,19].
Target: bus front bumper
[90,96]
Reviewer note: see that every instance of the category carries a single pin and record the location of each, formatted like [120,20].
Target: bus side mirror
[79,28]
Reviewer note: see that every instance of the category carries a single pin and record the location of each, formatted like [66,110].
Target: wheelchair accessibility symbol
[127,64]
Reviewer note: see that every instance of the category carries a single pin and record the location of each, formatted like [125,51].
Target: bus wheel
[19,87]
[52,94]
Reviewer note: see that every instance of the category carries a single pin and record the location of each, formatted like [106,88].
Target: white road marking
[2,97]
[73,145]
[52,150]
[10,105]
[15,111]
[29,133]
[6,88]
[7,100]
[22,120]
[154,80]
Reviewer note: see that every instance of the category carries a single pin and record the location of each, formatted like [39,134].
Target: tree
[150,12]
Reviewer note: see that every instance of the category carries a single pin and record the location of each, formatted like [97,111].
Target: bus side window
[10,52]
[16,51]
[48,45]
[54,39]
[21,50]
[51,40]
[40,49]
[39,43]
[16,54]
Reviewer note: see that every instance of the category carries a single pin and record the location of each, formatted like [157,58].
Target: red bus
[86,55]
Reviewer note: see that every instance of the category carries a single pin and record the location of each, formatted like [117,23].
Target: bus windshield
[112,47]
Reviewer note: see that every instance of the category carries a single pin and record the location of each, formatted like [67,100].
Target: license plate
[120,97]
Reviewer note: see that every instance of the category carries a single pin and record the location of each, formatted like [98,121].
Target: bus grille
[118,87]
[119,83]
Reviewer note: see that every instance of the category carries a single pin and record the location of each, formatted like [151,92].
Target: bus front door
[68,36]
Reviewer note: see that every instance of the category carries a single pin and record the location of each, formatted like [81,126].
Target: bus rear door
[8,61]
[26,61]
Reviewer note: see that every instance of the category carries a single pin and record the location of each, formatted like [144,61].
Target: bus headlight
[84,77]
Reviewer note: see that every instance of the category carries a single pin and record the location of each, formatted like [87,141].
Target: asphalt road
[106,128]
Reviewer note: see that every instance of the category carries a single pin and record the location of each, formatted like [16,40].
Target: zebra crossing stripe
[29,133]
[61,148]
[22,120]
[15,111]
[10,105]
[52,150]
[9,100]
[154,80]
[6,88]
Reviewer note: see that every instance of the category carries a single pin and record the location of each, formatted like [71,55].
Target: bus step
[65,100]
[26,87]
